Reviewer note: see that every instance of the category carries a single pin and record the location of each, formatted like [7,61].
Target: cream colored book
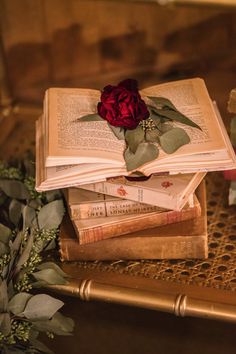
[84,204]
[168,192]
[70,152]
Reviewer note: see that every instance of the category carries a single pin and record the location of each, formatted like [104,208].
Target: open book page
[192,99]
[68,175]
[71,141]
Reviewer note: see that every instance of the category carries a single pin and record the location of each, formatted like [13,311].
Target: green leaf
[3,295]
[173,140]
[51,265]
[50,216]
[53,195]
[145,152]
[59,325]
[14,189]
[177,116]
[152,136]
[5,233]
[4,248]
[17,242]
[41,307]
[29,215]
[162,102]
[41,347]
[119,132]
[26,253]
[164,127]
[49,276]
[134,137]
[18,303]
[90,118]
[5,323]
[15,210]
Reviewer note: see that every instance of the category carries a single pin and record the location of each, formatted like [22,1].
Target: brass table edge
[175,303]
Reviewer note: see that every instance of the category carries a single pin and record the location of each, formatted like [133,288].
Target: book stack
[231,174]
[112,212]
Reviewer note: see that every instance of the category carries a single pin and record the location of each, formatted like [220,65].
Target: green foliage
[158,130]
[29,224]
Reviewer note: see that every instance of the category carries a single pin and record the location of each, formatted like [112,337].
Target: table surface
[212,280]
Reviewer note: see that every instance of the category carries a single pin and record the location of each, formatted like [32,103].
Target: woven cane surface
[217,271]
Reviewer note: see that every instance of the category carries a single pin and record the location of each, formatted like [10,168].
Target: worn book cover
[84,204]
[93,230]
[169,192]
[185,239]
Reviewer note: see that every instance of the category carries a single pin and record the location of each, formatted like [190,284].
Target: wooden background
[92,43]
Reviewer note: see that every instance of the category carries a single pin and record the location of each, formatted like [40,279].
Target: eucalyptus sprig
[143,142]
[29,224]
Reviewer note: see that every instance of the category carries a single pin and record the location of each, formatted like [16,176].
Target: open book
[70,152]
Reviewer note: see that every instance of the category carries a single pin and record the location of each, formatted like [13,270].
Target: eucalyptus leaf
[90,118]
[156,119]
[18,303]
[51,245]
[3,296]
[29,215]
[173,139]
[50,216]
[41,307]
[49,276]
[119,132]
[162,102]
[53,195]
[5,323]
[145,152]
[152,136]
[26,253]
[58,324]
[4,249]
[15,210]
[51,265]
[40,346]
[5,233]
[35,203]
[14,189]
[17,242]
[134,137]
[177,116]
[164,127]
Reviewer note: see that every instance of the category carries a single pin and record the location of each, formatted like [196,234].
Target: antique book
[84,204]
[185,239]
[93,230]
[169,191]
[71,152]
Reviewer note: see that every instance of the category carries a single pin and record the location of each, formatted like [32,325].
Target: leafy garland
[157,130]
[29,224]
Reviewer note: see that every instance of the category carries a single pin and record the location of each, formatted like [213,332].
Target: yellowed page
[71,141]
[192,99]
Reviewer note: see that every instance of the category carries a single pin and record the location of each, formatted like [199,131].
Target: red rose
[122,105]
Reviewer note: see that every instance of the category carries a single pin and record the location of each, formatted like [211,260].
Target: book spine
[163,247]
[135,193]
[133,224]
[109,208]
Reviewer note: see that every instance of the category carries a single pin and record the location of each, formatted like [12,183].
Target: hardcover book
[71,152]
[185,239]
[96,229]
[84,204]
[169,192]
